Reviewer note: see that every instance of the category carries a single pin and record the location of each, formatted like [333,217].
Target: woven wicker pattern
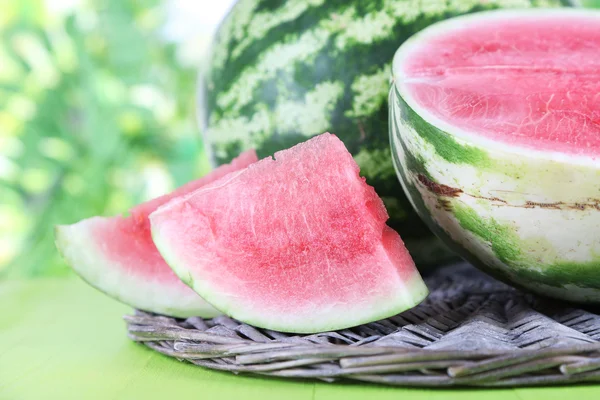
[471,331]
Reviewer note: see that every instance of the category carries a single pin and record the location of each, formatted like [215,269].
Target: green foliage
[95,116]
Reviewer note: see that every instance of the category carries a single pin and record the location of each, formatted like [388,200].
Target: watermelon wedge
[298,243]
[495,132]
[117,256]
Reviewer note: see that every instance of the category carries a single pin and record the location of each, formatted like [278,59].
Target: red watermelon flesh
[117,255]
[298,243]
[531,81]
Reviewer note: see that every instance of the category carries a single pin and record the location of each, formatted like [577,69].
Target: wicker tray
[471,331]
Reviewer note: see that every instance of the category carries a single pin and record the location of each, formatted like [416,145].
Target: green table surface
[61,339]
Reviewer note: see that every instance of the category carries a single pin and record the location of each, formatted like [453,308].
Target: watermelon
[496,139]
[298,243]
[117,256]
[283,71]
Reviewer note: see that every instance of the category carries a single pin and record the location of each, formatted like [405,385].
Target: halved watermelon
[495,132]
[117,256]
[298,243]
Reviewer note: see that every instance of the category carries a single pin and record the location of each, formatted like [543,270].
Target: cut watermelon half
[495,133]
[117,256]
[298,243]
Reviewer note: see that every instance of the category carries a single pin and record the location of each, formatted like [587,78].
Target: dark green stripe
[270,6]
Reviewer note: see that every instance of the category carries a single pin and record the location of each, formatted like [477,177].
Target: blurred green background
[97,113]
[97,102]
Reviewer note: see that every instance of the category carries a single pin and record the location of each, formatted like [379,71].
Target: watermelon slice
[298,243]
[117,256]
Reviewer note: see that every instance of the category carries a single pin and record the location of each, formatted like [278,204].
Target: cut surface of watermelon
[117,255]
[524,79]
[298,243]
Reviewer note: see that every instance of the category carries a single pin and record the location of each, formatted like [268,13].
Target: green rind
[411,294]
[527,219]
[508,248]
[349,45]
[66,248]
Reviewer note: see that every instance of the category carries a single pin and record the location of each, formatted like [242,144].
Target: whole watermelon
[281,71]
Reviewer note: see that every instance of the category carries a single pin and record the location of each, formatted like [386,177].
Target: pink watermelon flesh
[531,81]
[117,255]
[298,243]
